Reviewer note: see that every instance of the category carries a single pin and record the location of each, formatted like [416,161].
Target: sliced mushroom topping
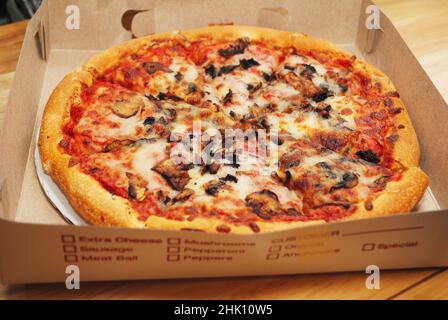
[327,168]
[227,97]
[211,168]
[322,94]
[264,203]
[289,160]
[236,48]
[136,187]
[173,174]
[323,111]
[211,71]
[178,76]
[248,63]
[163,196]
[183,195]
[192,87]
[343,86]
[149,121]
[212,187]
[153,67]
[293,212]
[349,180]
[253,88]
[269,77]
[117,144]
[227,69]
[229,178]
[126,108]
[308,71]
[368,155]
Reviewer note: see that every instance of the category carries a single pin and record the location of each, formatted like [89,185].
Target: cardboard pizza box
[37,243]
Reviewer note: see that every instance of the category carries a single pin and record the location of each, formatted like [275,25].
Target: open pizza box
[38,241]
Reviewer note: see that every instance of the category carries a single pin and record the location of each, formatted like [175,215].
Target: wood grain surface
[424,26]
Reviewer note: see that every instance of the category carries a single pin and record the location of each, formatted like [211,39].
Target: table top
[424,26]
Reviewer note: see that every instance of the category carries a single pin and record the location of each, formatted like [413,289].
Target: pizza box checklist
[40,236]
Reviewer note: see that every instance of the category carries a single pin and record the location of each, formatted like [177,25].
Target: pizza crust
[100,207]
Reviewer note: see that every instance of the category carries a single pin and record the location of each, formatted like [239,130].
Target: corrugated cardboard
[36,243]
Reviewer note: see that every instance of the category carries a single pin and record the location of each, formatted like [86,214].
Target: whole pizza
[230,129]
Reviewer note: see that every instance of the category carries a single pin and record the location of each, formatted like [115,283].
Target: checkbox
[173,249]
[69,248]
[173,240]
[368,247]
[68,238]
[71,258]
[275,248]
[273,256]
[173,257]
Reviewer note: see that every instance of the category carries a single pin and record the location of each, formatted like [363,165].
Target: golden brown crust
[100,207]
[398,197]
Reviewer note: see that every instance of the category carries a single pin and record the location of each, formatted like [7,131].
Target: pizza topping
[308,71]
[323,111]
[211,168]
[126,108]
[289,160]
[137,187]
[118,144]
[212,187]
[228,97]
[153,67]
[321,94]
[183,195]
[269,76]
[163,196]
[236,48]
[227,69]
[211,71]
[229,178]
[264,203]
[368,155]
[293,212]
[349,180]
[248,63]
[149,121]
[173,174]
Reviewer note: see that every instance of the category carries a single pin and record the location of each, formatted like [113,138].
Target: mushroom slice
[173,174]
[126,108]
[183,195]
[117,144]
[212,187]
[264,203]
[136,187]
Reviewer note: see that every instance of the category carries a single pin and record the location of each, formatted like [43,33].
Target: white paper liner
[55,194]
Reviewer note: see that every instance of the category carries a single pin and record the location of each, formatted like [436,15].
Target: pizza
[230,129]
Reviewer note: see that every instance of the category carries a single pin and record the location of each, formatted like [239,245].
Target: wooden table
[424,25]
